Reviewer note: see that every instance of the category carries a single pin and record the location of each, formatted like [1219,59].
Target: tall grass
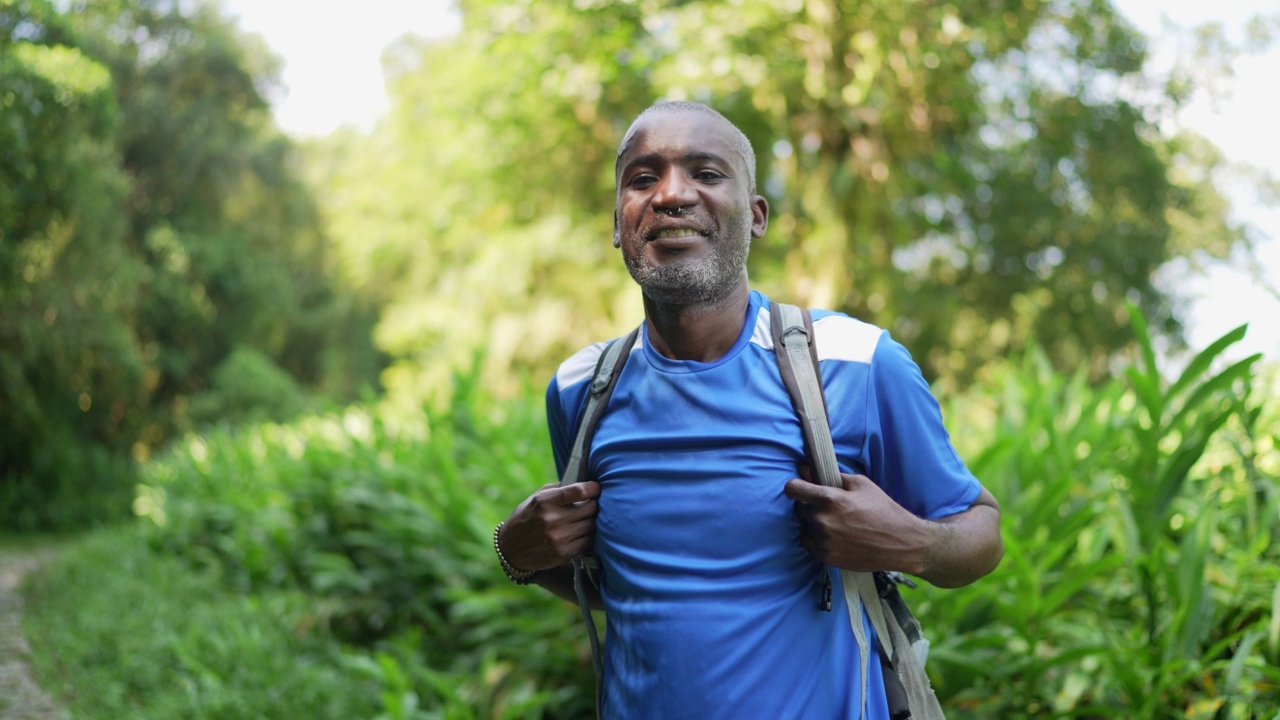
[1140,578]
[119,632]
[387,523]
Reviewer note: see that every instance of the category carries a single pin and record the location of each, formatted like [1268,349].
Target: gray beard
[693,284]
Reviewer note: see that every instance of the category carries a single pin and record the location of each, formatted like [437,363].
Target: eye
[643,180]
[708,176]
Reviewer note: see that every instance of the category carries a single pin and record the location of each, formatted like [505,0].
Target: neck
[703,332]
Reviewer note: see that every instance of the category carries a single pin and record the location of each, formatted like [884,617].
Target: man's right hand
[551,526]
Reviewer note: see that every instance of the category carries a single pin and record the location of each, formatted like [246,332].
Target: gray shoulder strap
[795,346]
[796,349]
[603,381]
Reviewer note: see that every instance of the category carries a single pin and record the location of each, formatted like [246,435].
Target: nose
[675,191]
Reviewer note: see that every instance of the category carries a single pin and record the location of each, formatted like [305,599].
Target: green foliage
[67,483]
[1130,586]
[123,632]
[70,365]
[976,176]
[968,174]
[248,386]
[1139,579]
[150,224]
[386,523]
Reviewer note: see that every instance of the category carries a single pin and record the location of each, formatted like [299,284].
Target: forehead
[676,134]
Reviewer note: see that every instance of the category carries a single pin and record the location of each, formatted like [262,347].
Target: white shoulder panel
[762,334]
[579,366]
[843,338]
[582,364]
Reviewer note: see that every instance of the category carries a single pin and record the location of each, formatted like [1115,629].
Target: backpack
[901,648]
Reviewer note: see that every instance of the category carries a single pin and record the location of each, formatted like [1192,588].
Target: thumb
[852,482]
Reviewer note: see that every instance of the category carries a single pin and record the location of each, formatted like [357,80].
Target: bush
[387,524]
[121,632]
[66,482]
[247,386]
[1139,573]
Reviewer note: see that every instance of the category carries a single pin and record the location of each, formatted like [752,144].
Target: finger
[810,545]
[805,492]
[852,482]
[806,472]
[575,537]
[568,495]
[584,511]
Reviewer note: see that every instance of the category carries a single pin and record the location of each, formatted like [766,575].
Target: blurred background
[1228,106]
[281,285]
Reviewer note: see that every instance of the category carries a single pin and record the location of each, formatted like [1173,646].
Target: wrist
[937,536]
[516,575]
[924,536]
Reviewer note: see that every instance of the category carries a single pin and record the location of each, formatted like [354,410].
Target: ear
[617,239]
[759,216]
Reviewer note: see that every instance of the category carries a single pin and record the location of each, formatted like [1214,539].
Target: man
[711,547]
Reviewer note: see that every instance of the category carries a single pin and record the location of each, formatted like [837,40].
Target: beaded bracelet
[519,577]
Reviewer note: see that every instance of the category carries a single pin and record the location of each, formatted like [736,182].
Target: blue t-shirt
[711,602]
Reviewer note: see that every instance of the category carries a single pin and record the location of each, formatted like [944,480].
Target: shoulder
[839,337]
[846,339]
[581,366]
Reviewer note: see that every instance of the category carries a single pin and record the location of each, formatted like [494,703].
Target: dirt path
[20,699]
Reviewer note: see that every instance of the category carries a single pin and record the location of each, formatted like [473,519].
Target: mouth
[676,234]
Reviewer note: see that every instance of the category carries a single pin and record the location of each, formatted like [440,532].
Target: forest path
[20,698]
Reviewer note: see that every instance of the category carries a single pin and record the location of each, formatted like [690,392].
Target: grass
[123,632]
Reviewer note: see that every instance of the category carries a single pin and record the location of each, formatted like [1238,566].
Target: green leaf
[1201,362]
[1218,383]
[1148,391]
[1078,578]
[1173,471]
[1239,657]
[1139,324]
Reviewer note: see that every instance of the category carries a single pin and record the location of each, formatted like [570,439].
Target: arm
[862,529]
[924,513]
[546,531]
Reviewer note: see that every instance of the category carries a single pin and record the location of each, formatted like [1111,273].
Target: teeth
[678,233]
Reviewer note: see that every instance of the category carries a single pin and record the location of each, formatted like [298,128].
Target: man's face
[685,215]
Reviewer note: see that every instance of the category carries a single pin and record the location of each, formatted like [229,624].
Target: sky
[333,77]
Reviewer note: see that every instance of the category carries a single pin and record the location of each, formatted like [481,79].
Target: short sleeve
[558,427]
[908,449]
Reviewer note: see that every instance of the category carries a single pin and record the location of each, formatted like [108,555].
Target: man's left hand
[859,527]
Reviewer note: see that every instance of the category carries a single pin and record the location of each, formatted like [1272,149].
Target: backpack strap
[585,566]
[796,350]
[898,633]
[603,380]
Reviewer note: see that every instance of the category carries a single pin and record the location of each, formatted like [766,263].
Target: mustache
[688,220]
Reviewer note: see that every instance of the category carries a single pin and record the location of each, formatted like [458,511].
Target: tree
[230,234]
[155,234]
[972,175]
[71,368]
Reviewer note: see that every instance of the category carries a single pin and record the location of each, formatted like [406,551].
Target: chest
[692,469]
